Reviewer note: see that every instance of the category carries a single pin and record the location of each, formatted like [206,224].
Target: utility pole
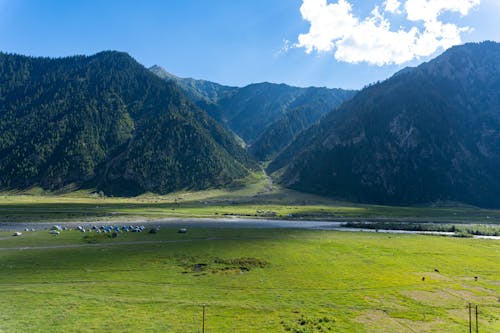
[477,325]
[203,321]
[470,318]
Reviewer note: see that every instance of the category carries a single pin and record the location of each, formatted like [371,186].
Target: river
[221,223]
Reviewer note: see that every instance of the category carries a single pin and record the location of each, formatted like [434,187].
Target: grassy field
[255,196]
[251,280]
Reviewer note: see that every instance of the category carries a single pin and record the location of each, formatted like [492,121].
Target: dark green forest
[427,134]
[105,121]
[266,116]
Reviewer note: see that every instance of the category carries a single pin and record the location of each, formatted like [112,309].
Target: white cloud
[429,10]
[287,45]
[335,28]
[392,6]
[325,30]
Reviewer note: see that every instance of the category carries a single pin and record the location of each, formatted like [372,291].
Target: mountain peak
[113,54]
[162,73]
[460,62]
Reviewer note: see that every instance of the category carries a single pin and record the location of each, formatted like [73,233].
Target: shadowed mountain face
[308,108]
[106,121]
[266,116]
[428,133]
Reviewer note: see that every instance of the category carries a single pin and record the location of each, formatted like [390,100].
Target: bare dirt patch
[433,298]
[469,296]
[433,276]
[379,321]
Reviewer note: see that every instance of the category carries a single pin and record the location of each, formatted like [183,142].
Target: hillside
[428,133]
[266,116]
[198,91]
[309,107]
[105,121]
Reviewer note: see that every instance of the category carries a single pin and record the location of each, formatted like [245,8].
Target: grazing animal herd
[56,229]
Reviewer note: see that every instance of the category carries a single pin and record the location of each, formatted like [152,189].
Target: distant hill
[266,116]
[428,133]
[105,121]
[306,109]
[197,90]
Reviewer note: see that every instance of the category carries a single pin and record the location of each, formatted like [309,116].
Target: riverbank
[241,223]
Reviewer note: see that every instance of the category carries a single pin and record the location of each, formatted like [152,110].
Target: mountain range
[266,116]
[428,133]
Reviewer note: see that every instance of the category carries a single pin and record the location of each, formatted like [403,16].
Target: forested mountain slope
[428,133]
[106,121]
[266,116]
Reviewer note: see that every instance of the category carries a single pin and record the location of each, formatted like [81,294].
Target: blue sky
[344,43]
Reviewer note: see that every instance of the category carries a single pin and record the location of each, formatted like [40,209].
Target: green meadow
[250,280]
[254,197]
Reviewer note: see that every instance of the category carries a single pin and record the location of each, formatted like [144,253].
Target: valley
[254,198]
[132,199]
[261,166]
